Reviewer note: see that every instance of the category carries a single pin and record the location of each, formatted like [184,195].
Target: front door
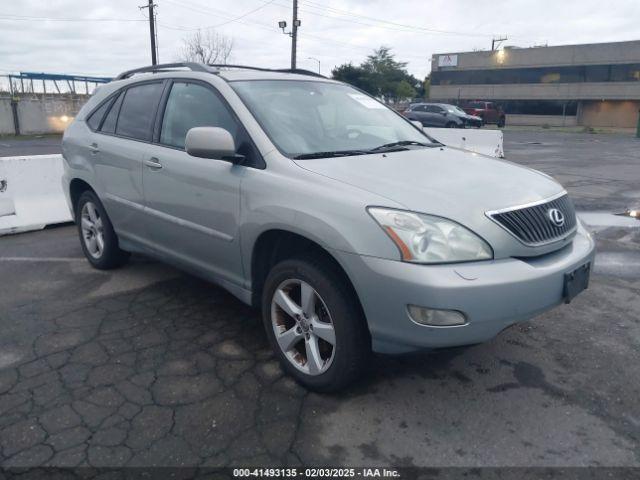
[192,205]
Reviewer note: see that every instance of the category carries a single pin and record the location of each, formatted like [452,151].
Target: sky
[105,37]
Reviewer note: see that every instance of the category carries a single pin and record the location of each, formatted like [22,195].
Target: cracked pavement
[147,366]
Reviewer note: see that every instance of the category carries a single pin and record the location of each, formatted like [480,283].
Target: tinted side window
[138,110]
[98,114]
[109,124]
[191,105]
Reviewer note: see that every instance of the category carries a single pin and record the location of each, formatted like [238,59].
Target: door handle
[93,148]
[153,163]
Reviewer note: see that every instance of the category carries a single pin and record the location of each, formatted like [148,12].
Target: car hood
[442,181]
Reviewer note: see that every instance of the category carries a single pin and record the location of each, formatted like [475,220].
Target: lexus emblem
[556,217]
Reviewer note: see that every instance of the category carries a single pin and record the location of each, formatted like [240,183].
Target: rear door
[193,204]
[120,144]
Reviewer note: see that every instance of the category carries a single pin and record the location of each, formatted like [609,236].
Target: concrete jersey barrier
[486,142]
[31,195]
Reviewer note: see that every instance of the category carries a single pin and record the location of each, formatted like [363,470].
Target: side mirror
[211,142]
[417,124]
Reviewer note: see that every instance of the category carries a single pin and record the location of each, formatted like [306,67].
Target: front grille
[532,225]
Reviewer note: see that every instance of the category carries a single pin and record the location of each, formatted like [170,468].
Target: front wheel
[97,237]
[314,323]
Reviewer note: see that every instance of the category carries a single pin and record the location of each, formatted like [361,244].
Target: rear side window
[109,124]
[98,114]
[191,105]
[138,110]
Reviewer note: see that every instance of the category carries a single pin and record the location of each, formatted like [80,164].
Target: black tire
[353,341]
[111,255]
[451,125]
[501,122]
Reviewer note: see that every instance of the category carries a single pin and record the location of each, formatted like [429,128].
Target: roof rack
[200,67]
[164,67]
[298,71]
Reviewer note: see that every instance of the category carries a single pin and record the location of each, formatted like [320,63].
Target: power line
[244,14]
[212,11]
[197,8]
[66,19]
[319,6]
[405,26]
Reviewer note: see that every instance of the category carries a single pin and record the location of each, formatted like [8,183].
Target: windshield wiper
[401,143]
[330,154]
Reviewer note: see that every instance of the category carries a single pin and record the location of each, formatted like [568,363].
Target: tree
[426,85]
[208,47]
[353,75]
[405,91]
[381,75]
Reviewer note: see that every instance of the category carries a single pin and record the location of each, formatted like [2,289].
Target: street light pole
[313,58]
[282,24]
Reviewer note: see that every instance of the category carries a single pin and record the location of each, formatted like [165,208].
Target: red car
[488,111]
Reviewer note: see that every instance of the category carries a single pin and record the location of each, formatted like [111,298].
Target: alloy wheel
[92,229]
[303,327]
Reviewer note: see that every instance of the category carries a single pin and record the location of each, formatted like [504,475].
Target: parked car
[489,112]
[441,115]
[347,226]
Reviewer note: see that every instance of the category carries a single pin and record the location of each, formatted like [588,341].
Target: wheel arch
[275,245]
[77,186]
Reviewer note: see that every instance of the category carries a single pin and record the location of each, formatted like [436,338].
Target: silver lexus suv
[350,228]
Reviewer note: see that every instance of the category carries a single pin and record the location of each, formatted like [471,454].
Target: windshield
[310,118]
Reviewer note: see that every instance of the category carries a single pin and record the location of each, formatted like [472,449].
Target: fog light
[437,318]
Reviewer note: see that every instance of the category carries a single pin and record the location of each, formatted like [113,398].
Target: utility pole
[282,24]
[496,42]
[294,35]
[152,31]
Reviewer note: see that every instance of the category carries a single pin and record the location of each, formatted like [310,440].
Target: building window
[568,74]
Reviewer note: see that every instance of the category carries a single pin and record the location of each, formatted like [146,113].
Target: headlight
[428,239]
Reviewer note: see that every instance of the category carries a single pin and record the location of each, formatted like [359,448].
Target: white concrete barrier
[487,142]
[31,195]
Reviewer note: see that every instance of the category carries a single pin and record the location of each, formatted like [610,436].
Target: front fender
[325,211]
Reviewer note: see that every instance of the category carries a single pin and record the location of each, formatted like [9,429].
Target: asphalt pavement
[11,146]
[149,366]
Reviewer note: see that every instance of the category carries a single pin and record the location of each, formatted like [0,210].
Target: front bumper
[492,294]
[473,122]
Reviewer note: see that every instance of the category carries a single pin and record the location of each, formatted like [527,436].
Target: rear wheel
[97,237]
[314,323]
[501,122]
[451,125]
